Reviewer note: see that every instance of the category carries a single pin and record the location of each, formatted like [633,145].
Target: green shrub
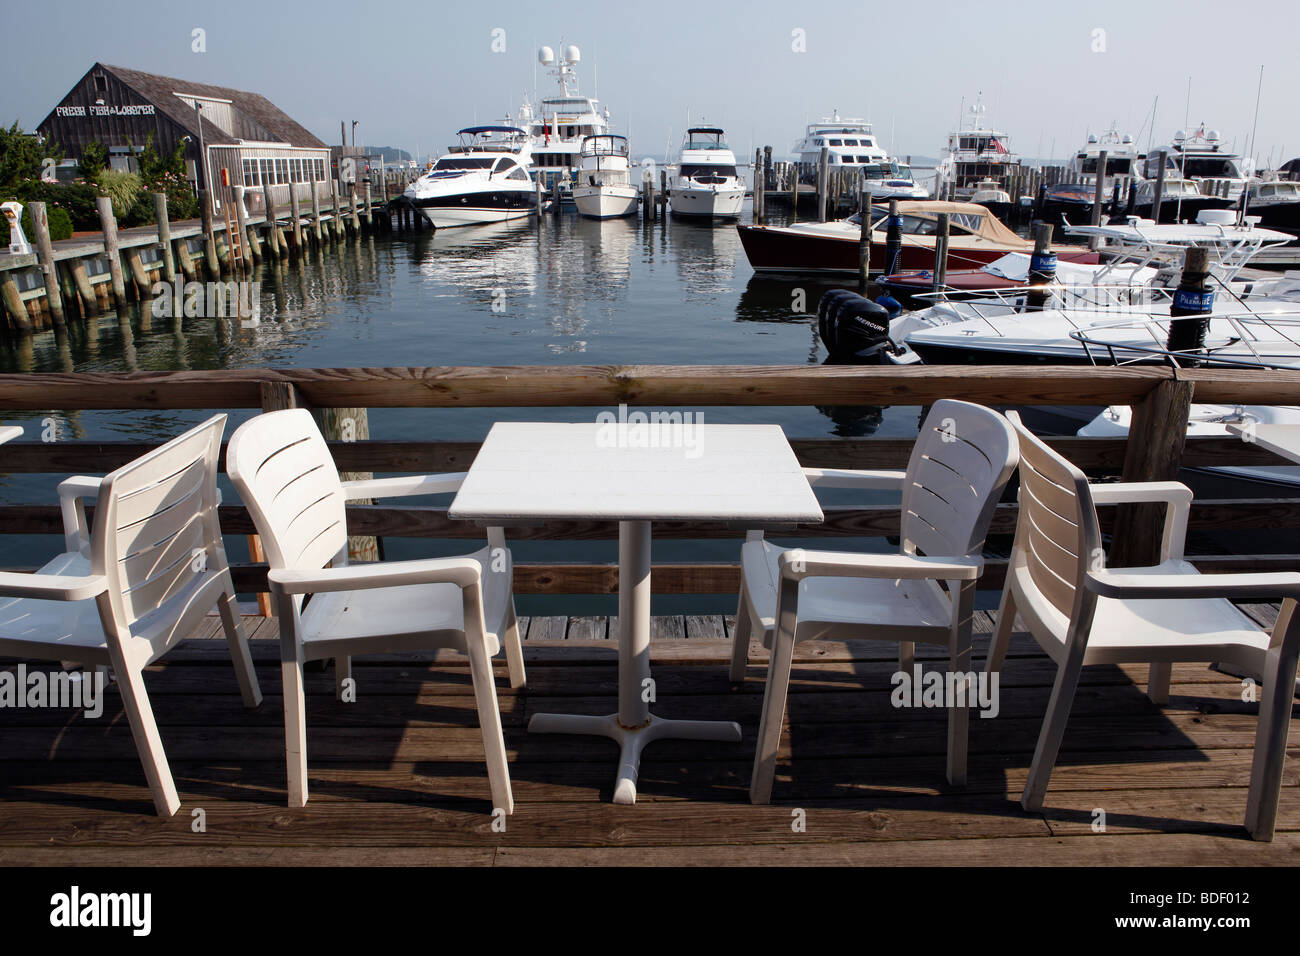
[121,187]
[94,159]
[78,199]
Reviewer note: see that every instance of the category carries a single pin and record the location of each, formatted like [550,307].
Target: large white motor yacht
[706,185]
[975,154]
[484,179]
[603,188]
[848,142]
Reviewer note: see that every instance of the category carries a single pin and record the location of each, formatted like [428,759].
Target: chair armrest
[403,487]
[886,480]
[1175,494]
[76,531]
[1189,586]
[797,564]
[51,587]
[381,574]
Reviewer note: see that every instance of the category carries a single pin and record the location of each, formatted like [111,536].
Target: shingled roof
[269,122]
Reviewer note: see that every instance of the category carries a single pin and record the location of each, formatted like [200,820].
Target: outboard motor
[852,326]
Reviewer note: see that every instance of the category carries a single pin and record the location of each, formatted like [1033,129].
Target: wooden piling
[185,259]
[767,176]
[247,236]
[941,253]
[794,193]
[370,221]
[209,237]
[296,209]
[351,424]
[648,195]
[1098,197]
[864,239]
[164,235]
[336,221]
[45,256]
[85,291]
[823,182]
[14,305]
[315,212]
[139,275]
[1039,279]
[1158,198]
[272,244]
[108,222]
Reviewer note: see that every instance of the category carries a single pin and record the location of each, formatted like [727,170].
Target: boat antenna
[1152,134]
[1182,156]
[1255,125]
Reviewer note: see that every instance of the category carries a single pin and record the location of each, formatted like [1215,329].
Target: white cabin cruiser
[848,142]
[892,180]
[1123,160]
[484,179]
[1114,321]
[707,185]
[1205,159]
[604,188]
[977,153]
[559,123]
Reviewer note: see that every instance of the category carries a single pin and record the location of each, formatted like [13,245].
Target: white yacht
[484,179]
[892,180]
[1122,157]
[706,185]
[1205,159]
[977,153]
[849,142]
[603,188]
[559,123]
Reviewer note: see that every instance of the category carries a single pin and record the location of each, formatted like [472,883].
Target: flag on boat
[997,145]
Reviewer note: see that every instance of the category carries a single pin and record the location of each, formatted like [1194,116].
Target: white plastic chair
[1082,613]
[959,466]
[286,477]
[136,585]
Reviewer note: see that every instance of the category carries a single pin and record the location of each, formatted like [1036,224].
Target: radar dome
[546,56]
[1127,140]
[1180,136]
[1092,138]
[572,54]
[1214,136]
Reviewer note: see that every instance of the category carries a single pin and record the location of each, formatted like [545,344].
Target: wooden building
[246,139]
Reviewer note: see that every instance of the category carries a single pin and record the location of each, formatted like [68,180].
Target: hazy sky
[413,73]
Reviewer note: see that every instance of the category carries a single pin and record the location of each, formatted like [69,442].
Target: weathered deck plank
[397,776]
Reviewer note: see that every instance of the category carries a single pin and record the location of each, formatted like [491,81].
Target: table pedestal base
[633,741]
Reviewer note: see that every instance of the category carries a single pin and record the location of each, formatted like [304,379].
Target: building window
[320,170]
[250,173]
[281,171]
[268,172]
[101,83]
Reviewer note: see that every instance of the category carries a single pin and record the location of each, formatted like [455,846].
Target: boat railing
[1246,327]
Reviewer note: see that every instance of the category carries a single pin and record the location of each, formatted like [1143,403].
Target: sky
[411,74]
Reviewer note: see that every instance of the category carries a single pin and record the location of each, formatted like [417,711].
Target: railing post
[1154,452]
[351,424]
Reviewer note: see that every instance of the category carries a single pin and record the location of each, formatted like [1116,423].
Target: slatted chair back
[1057,536]
[156,536]
[286,477]
[960,464]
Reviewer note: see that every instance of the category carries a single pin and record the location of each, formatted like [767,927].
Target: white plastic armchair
[958,469]
[1081,613]
[136,584]
[286,477]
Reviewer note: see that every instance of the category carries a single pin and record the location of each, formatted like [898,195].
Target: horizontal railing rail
[662,386]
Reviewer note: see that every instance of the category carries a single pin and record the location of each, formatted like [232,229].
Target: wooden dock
[397,777]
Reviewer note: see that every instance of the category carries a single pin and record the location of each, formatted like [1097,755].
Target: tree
[21,156]
[94,158]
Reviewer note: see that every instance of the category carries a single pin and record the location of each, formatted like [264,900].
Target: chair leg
[1053,730]
[343,674]
[130,682]
[295,730]
[959,661]
[245,673]
[740,637]
[514,650]
[1158,681]
[489,720]
[769,728]
[1274,723]
[1002,635]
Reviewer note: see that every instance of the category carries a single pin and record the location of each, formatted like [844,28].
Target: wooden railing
[1157,448]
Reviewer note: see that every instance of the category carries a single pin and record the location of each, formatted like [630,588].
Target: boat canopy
[479,130]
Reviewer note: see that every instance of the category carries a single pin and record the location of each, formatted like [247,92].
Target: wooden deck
[398,777]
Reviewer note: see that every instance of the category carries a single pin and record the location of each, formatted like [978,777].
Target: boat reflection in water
[706,257]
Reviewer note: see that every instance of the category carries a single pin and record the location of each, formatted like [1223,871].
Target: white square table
[1281,440]
[635,473]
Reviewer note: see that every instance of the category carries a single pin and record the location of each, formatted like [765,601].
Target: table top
[1282,440]
[9,432]
[628,471]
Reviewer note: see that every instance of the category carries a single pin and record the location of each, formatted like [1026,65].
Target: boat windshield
[463,162]
[699,139]
[707,171]
[1211,167]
